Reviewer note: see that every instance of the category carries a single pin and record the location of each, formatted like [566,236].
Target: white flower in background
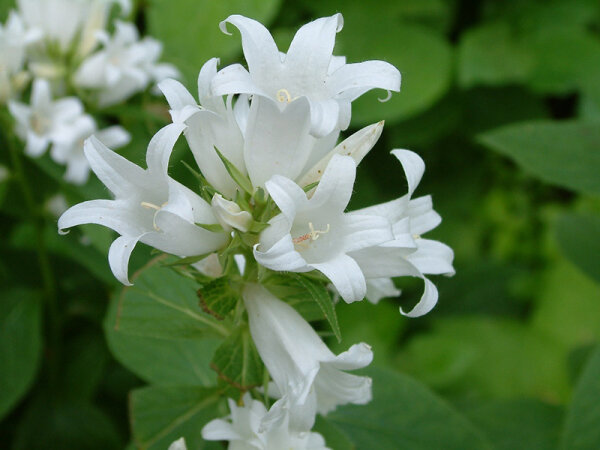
[308,376]
[124,66]
[316,234]
[307,70]
[149,207]
[44,120]
[14,38]
[69,24]
[408,254]
[242,428]
[68,146]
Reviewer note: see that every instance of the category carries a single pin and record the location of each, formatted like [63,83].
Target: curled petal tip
[223,27]
[387,97]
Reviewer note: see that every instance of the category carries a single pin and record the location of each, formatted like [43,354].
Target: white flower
[316,234]
[44,120]
[307,70]
[64,22]
[242,428]
[179,444]
[14,38]
[68,146]
[408,254]
[124,66]
[149,207]
[308,376]
[230,215]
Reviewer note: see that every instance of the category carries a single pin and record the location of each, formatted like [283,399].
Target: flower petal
[160,148]
[118,257]
[335,188]
[365,231]
[422,216]
[287,195]
[378,288]
[276,142]
[427,302]
[181,102]
[113,137]
[334,387]
[234,79]
[432,257]
[413,166]
[282,256]
[311,49]
[352,80]
[324,116]
[345,274]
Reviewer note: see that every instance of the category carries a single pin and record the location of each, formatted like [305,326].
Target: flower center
[156,208]
[284,96]
[39,123]
[311,236]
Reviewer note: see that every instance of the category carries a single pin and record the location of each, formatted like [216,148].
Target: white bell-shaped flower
[408,254]
[307,70]
[149,206]
[68,147]
[316,234]
[244,431]
[45,120]
[308,377]
[124,66]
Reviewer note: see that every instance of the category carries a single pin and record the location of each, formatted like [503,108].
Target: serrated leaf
[238,363]
[218,297]
[321,296]
[562,153]
[579,238]
[161,415]
[242,180]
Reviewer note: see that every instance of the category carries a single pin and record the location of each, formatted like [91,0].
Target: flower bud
[230,215]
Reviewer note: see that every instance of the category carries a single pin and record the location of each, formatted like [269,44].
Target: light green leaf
[237,362]
[562,153]
[579,238]
[161,415]
[405,414]
[189,30]
[581,429]
[493,54]
[242,180]
[522,423]
[20,344]
[164,304]
[423,57]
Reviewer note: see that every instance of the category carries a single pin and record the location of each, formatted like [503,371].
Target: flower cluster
[63,50]
[273,197]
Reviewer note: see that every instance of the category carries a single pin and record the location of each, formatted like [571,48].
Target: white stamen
[149,205]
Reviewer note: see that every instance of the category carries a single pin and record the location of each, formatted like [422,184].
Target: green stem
[35,213]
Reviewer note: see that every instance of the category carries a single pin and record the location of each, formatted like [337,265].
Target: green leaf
[219,297]
[422,55]
[191,42]
[579,238]
[164,304]
[319,293]
[334,437]
[493,54]
[161,415]
[405,414]
[213,227]
[237,362]
[20,344]
[581,429]
[562,153]
[242,180]
[522,423]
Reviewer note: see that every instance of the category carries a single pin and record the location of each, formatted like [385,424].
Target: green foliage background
[502,101]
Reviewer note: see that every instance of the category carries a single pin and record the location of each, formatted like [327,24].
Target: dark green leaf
[581,430]
[319,293]
[219,297]
[20,344]
[405,414]
[562,153]
[164,304]
[161,415]
[237,362]
[579,238]
[520,423]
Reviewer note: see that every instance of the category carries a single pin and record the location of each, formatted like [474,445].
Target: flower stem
[47,276]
